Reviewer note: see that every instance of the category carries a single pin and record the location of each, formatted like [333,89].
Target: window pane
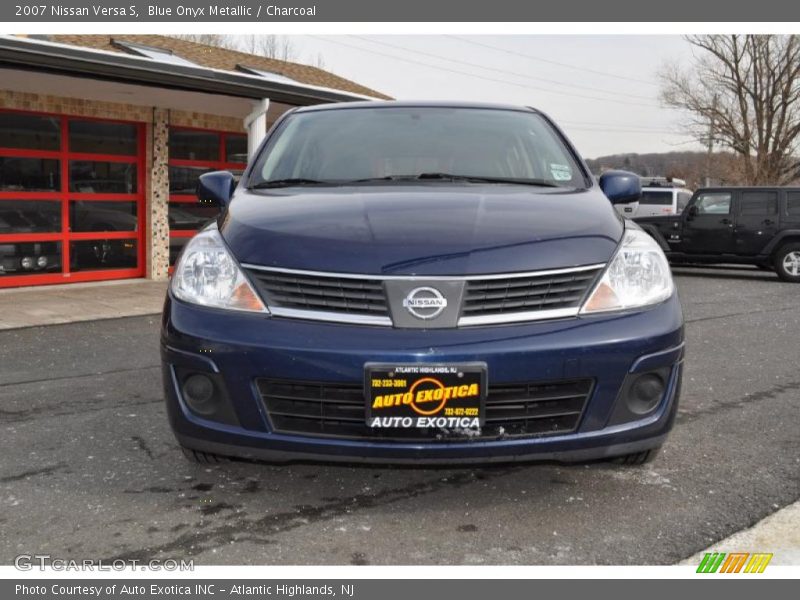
[94,177]
[102,216]
[93,255]
[759,203]
[30,216]
[175,247]
[190,216]
[714,204]
[656,198]
[183,180]
[236,148]
[29,174]
[155,53]
[237,174]
[32,132]
[30,258]
[793,204]
[193,145]
[99,137]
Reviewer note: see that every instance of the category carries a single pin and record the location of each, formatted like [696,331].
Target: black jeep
[745,225]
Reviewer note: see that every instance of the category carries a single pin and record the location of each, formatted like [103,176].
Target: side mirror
[216,188]
[691,212]
[621,187]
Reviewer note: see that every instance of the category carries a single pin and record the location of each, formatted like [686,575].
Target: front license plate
[407,396]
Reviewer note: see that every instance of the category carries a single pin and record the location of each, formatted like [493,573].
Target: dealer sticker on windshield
[408,396]
[560,172]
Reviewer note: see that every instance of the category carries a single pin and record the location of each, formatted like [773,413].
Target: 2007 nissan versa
[421,282]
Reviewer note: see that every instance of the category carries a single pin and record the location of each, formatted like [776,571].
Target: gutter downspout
[256,125]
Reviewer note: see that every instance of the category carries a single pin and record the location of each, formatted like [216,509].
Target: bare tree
[209,39]
[271,46]
[319,61]
[743,93]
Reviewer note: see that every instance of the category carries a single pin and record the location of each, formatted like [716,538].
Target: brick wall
[74,106]
[181,118]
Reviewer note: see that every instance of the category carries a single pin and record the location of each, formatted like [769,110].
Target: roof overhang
[63,59]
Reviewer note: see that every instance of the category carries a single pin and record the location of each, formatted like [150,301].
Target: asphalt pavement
[89,468]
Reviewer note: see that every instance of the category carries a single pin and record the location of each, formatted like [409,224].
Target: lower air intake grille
[337,410]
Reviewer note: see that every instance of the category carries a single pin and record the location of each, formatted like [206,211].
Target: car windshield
[398,144]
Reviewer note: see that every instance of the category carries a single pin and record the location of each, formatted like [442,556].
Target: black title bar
[117,11]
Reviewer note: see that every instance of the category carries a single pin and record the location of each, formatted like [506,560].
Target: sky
[602,90]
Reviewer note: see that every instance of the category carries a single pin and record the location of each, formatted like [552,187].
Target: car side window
[758,204]
[683,200]
[714,203]
[793,204]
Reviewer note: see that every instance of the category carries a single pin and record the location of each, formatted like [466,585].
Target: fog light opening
[645,393]
[199,392]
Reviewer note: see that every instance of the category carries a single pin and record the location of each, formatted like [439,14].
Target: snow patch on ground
[641,476]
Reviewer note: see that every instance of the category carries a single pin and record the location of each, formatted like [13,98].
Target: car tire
[787,262]
[201,458]
[637,458]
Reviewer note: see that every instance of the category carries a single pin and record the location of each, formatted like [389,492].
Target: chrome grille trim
[333,317]
[468,320]
[534,315]
[336,274]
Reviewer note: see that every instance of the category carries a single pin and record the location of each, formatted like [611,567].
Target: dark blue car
[421,282]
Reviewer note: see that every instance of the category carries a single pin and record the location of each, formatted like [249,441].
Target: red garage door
[193,152]
[72,199]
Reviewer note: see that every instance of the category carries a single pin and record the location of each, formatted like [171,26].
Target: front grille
[362,299]
[525,294]
[315,293]
[337,410]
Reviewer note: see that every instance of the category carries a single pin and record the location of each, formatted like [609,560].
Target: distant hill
[689,166]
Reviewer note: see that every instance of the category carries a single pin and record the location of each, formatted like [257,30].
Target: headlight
[207,274]
[638,275]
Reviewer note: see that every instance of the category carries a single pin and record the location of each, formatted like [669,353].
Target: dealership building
[102,139]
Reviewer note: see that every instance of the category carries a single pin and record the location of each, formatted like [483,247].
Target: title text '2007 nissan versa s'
[406,282]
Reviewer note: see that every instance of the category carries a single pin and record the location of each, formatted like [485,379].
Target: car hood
[428,229]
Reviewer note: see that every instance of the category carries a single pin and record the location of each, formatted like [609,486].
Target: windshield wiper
[452,177]
[277,183]
[481,179]
[384,178]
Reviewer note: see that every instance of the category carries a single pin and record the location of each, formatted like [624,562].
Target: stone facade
[158,196]
[78,107]
[181,118]
[157,121]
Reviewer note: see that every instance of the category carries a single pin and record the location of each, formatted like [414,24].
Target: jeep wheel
[787,263]
[201,458]
[637,458]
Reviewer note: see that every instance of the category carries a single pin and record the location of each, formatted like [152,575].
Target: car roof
[414,104]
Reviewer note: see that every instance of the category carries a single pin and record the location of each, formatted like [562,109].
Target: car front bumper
[241,348]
